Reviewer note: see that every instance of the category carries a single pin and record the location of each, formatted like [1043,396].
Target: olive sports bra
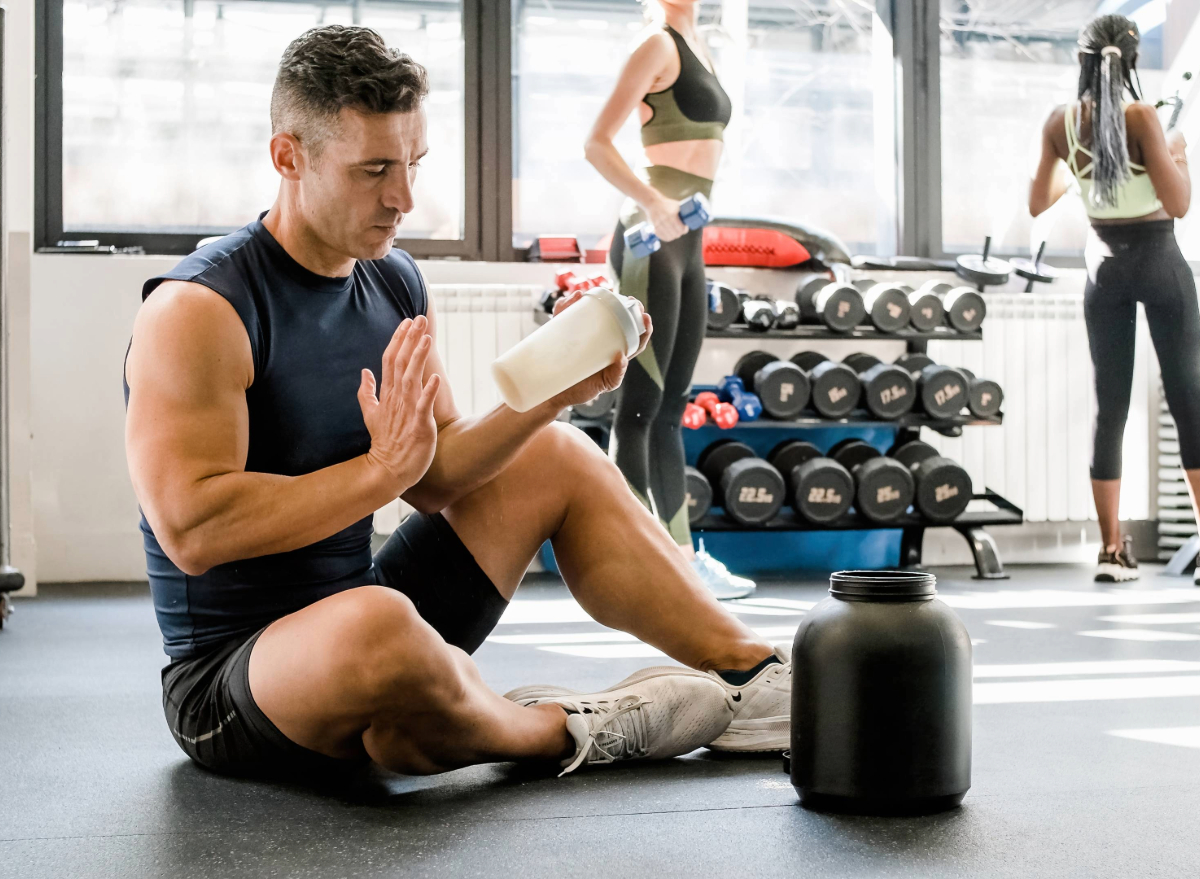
[694,107]
[1135,197]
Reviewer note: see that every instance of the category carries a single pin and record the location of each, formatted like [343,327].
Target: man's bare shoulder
[188,320]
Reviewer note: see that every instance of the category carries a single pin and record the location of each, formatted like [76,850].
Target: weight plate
[835,389]
[888,307]
[753,491]
[759,315]
[942,391]
[859,361]
[965,309]
[790,454]
[925,311]
[725,311]
[808,360]
[914,362]
[822,490]
[787,315]
[1031,271]
[597,408]
[984,397]
[884,489]
[840,307]
[699,494]
[783,388]
[852,452]
[888,391]
[912,453]
[988,272]
[943,489]
[749,364]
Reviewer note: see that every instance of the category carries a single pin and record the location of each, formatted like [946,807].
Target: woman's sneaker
[716,577]
[666,716]
[1119,565]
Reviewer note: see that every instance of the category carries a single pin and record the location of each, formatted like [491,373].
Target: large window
[801,144]
[1004,66]
[165,120]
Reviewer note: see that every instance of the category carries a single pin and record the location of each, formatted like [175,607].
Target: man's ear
[287,155]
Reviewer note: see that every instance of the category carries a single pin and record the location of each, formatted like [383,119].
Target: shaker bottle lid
[624,310]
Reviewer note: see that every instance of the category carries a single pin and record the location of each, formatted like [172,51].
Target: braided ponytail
[1108,55]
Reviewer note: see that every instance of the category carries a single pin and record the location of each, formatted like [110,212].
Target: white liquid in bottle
[578,342]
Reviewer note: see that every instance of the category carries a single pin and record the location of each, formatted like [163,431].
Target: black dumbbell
[888,391]
[782,386]
[835,387]
[884,488]
[724,307]
[820,489]
[926,311]
[943,486]
[699,495]
[759,314]
[984,396]
[750,489]
[597,408]
[941,390]
[964,307]
[787,315]
[887,306]
[838,306]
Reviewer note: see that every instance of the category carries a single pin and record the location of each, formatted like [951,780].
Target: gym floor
[1086,760]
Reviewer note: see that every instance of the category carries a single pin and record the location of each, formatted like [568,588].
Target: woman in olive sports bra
[669,80]
[1134,181]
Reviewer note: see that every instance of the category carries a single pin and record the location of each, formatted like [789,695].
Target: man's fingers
[366,391]
[428,396]
[389,353]
[567,301]
[405,352]
[415,369]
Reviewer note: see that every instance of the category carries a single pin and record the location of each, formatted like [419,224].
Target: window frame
[481,135]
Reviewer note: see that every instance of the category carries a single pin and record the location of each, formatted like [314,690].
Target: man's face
[360,187]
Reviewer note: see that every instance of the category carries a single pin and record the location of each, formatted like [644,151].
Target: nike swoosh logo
[737,697]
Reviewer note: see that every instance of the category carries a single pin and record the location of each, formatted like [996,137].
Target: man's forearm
[241,515]
[471,451]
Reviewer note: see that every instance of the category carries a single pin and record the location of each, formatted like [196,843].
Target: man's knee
[390,649]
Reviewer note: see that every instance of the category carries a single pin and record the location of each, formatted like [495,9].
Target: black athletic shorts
[207,699]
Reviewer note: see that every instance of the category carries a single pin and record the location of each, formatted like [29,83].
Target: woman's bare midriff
[698,157]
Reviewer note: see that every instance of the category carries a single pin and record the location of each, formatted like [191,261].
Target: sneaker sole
[1116,574]
[540,691]
[763,735]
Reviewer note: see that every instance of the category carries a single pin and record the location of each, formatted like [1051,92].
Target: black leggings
[1127,264]
[647,439]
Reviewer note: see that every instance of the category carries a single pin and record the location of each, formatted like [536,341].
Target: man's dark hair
[331,67]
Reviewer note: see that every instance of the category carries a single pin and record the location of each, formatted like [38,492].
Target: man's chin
[378,244]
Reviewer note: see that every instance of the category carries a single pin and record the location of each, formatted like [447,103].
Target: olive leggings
[647,439]
[1129,263]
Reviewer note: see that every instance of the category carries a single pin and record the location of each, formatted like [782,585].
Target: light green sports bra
[1135,197]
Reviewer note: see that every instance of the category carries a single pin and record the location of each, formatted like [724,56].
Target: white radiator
[1035,346]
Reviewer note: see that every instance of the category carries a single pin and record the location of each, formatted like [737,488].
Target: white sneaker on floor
[717,578]
[762,707]
[663,717]
[1119,566]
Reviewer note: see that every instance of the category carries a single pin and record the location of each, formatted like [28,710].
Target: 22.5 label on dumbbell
[748,488]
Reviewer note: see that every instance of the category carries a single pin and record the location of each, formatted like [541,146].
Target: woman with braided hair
[1134,180]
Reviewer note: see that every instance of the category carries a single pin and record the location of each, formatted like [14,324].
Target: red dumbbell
[694,417]
[723,414]
[564,280]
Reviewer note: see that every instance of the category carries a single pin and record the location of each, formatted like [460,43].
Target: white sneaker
[664,717]
[762,718]
[1118,566]
[717,578]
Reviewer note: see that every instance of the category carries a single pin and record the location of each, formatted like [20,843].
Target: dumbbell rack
[971,524]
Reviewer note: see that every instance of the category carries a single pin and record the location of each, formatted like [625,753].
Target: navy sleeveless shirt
[311,336]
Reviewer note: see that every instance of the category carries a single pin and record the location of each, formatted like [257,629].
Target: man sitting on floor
[282,384]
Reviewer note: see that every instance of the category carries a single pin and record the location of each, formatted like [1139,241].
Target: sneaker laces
[627,740]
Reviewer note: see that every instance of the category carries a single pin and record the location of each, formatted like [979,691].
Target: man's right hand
[400,419]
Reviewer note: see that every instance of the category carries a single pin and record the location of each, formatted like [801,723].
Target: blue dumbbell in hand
[731,390]
[641,240]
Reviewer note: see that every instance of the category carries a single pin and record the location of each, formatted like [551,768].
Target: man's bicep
[188,369]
